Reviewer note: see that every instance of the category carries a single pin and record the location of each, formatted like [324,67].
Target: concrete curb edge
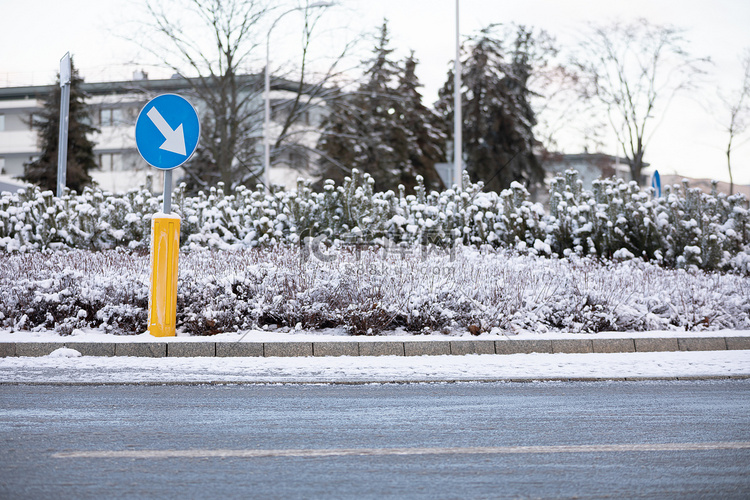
[415,347]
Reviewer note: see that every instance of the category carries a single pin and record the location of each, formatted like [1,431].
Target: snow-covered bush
[67,290]
[368,291]
[684,228]
[616,220]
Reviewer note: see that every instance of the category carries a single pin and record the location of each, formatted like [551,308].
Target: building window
[2,123]
[2,165]
[111,117]
[105,117]
[118,117]
[110,162]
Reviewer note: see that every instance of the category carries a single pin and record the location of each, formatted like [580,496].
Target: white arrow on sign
[175,139]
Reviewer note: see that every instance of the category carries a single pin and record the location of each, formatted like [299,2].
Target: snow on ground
[65,365]
[62,368]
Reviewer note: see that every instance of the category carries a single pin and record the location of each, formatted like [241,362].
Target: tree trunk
[729,166]
[636,166]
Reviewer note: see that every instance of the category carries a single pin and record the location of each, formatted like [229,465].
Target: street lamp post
[267,94]
[457,118]
[62,149]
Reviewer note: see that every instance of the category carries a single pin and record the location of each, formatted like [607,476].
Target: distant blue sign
[167,131]
[656,183]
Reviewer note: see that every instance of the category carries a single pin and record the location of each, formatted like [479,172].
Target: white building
[590,166]
[114,109]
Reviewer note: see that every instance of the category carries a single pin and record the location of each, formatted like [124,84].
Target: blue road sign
[167,131]
[656,183]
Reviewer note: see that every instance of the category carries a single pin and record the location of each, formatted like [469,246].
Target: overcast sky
[35,34]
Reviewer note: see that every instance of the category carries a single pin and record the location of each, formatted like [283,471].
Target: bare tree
[738,105]
[564,120]
[218,47]
[297,112]
[634,70]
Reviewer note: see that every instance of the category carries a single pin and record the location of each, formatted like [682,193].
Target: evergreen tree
[81,159]
[201,172]
[386,153]
[421,126]
[338,146]
[497,118]
[383,129]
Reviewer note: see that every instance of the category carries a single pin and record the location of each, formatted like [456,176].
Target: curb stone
[191,349]
[335,348]
[92,348]
[523,346]
[656,345]
[702,344]
[572,346]
[287,349]
[377,348]
[461,347]
[613,345]
[7,350]
[380,348]
[738,343]
[239,349]
[36,349]
[426,348]
[142,349]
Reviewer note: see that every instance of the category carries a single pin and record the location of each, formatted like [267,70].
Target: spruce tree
[421,126]
[201,172]
[498,140]
[383,129]
[378,103]
[81,159]
[338,145]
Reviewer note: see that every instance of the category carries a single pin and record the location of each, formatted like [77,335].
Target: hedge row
[368,292]
[683,228]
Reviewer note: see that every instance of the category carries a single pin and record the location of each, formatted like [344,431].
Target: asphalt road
[470,440]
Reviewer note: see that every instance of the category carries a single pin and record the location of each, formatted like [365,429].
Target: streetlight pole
[457,112]
[267,94]
[62,143]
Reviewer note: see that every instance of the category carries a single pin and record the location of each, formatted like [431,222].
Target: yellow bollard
[162,299]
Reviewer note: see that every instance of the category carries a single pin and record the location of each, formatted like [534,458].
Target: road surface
[463,440]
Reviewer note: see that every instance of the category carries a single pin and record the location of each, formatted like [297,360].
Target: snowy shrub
[67,290]
[684,228]
[615,220]
[368,291]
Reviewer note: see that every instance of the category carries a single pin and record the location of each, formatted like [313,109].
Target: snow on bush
[369,290]
[685,228]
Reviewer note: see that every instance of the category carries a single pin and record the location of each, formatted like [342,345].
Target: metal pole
[167,206]
[457,118]
[267,118]
[62,140]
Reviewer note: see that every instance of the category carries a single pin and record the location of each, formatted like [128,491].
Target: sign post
[166,134]
[62,143]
